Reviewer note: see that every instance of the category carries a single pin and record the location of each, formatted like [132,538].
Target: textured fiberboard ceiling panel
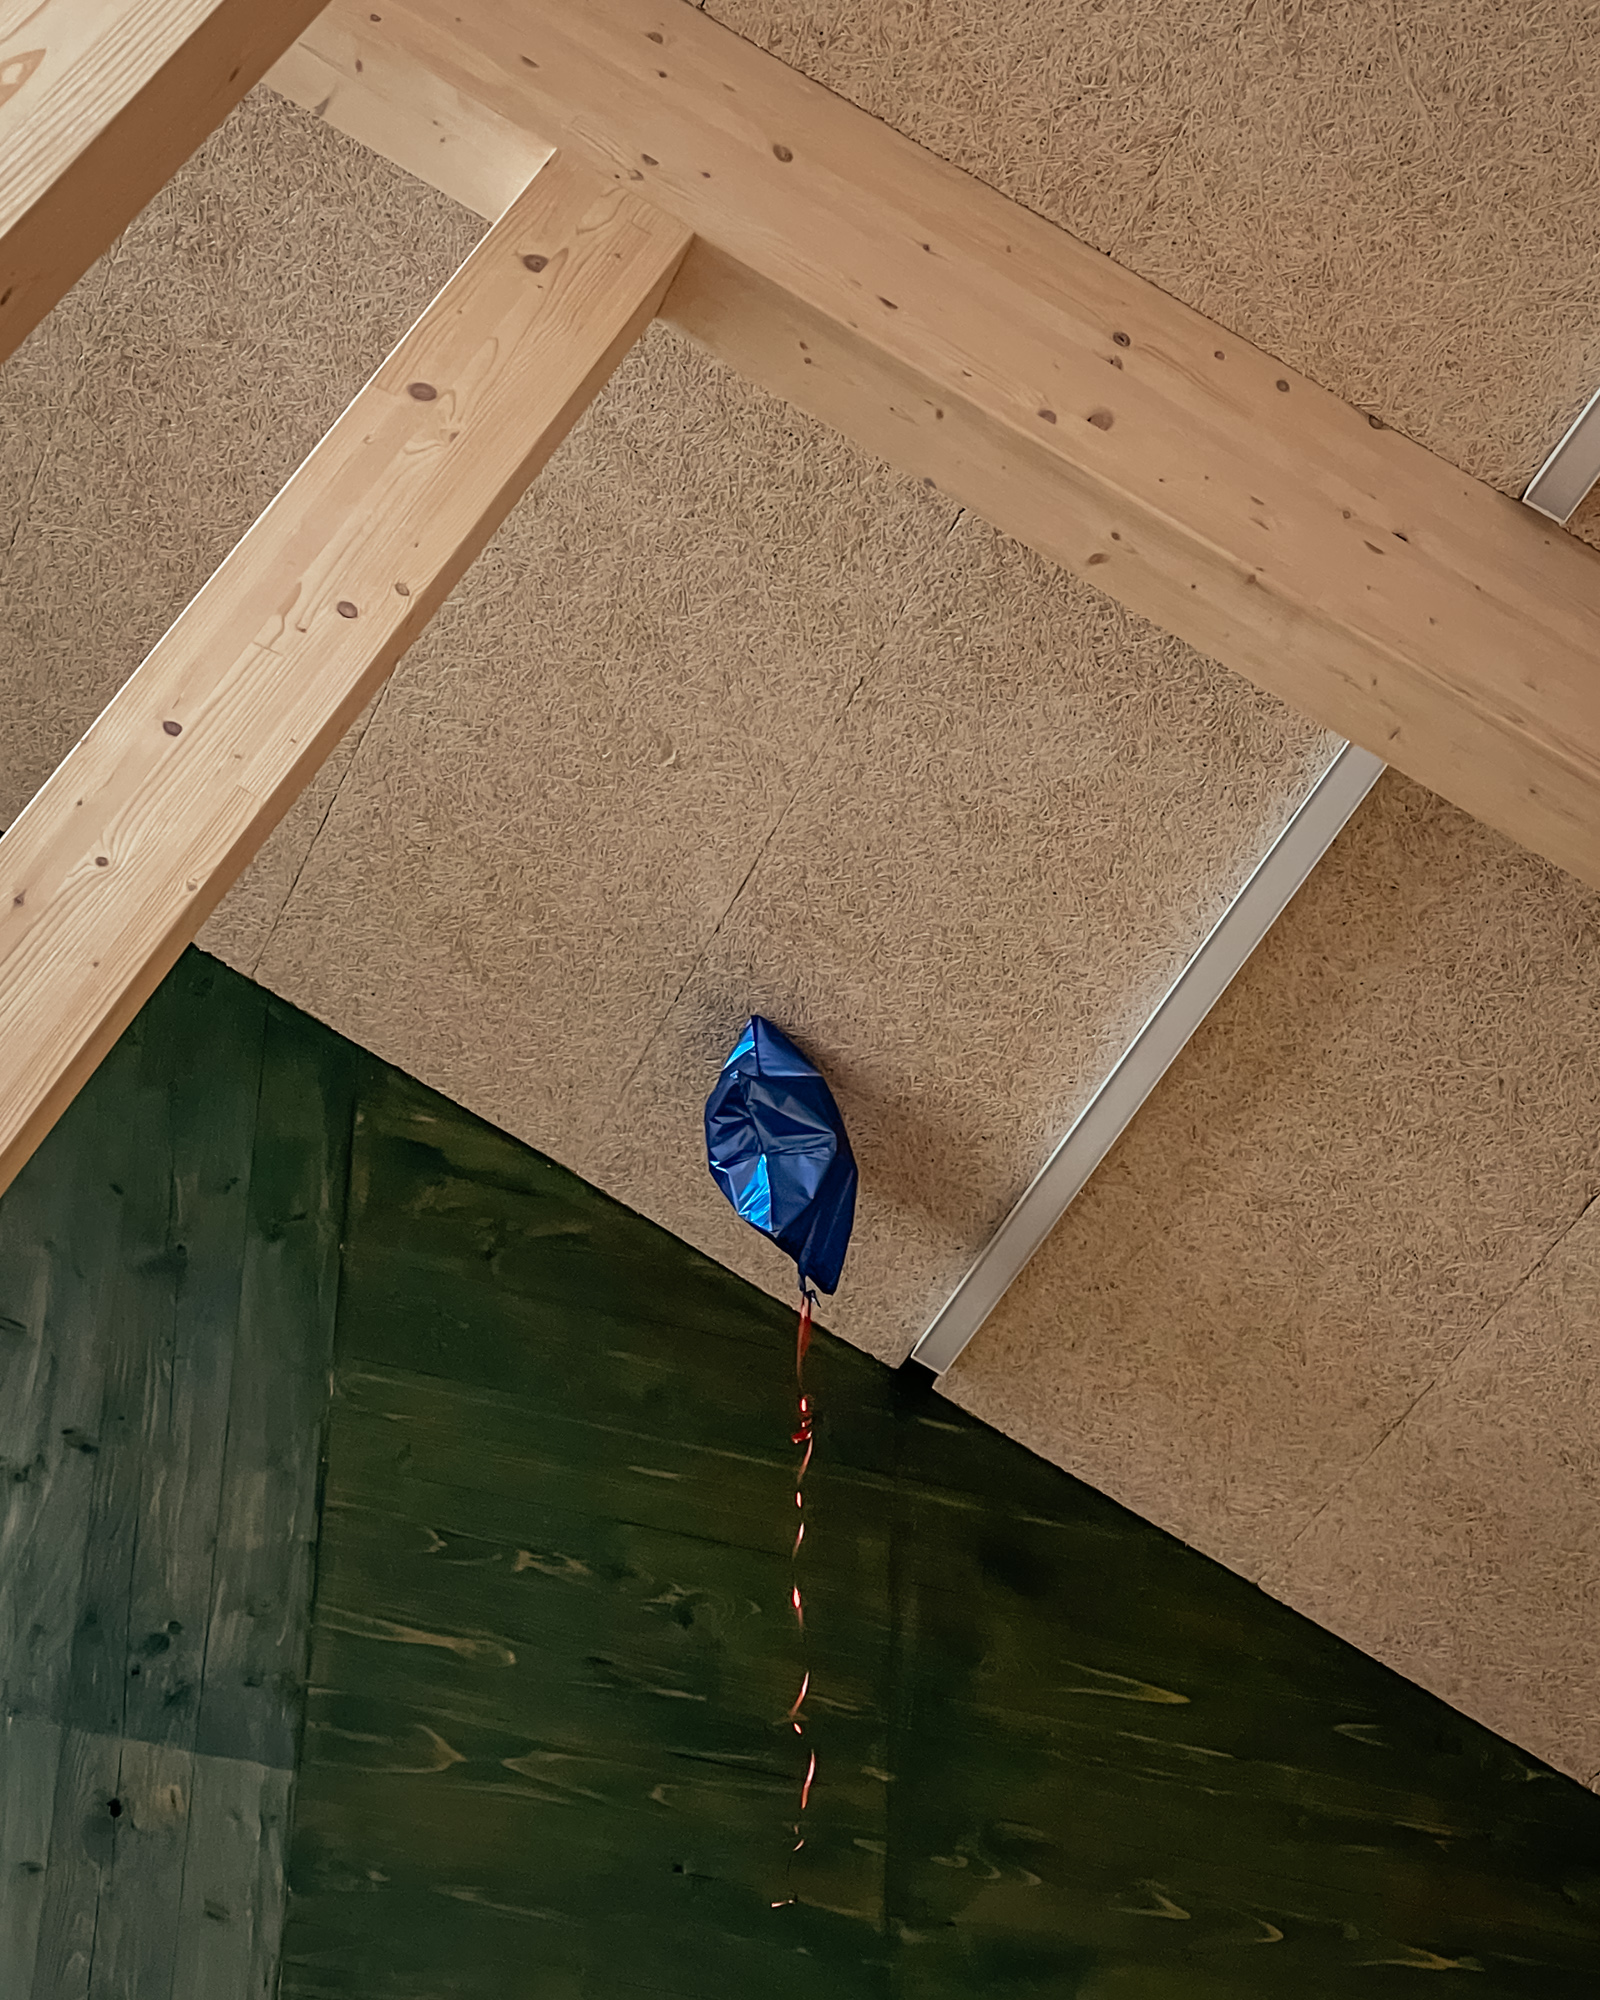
[1398,200]
[719,671]
[1340,1202]
[1374,1138]
[951,818]
[158,410]
[1476,1520]
[1304,1316]
[731,717]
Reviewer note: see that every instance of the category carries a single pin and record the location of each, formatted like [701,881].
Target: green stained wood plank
[409,1312]
[565,1843]
[731,1776]
[678,1602]
[136,1921]
[130,1875]
[141,1302]
[266,1525]
[495,1933]
[720,1796]
[139,1646]
[82,1845]
[167,1278]
[405,1430]
[971,1848]
[166,1875]
[30,1758]
[681,1575]
[230,1920]
[1062,1755]
[595,1702]
[443,1185]
[60,1232]
[541,1457]
[204,1051]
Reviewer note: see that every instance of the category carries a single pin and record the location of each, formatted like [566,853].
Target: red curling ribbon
[804,1436]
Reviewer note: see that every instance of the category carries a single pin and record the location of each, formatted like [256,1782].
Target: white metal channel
[1202,982]
[1561,483]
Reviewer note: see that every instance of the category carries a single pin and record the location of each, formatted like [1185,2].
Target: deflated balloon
[777,1148]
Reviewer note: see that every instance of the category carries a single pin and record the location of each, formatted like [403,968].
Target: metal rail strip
[1562,483]
[1556,490]
[1192,995]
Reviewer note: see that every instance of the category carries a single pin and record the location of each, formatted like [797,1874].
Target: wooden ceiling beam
[349,71]
[116,863]
[956,335]
[101,101]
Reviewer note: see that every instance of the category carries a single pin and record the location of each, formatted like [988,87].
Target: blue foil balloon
[777,1148]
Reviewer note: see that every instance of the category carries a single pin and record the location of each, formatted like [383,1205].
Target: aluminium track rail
[1556,490]
[1241,927]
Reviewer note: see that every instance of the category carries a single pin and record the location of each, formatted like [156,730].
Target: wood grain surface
[1060,1754]
[101,101]
[168,1264]
[116,862]
[1184,469]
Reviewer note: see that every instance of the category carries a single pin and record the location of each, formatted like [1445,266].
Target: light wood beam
[1370,584]
[101,101]
[348,72]
[116,863]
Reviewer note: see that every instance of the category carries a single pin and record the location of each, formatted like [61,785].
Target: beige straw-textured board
[163,405]
[1396,201]
[1462,1550]
[544,914]
[679,634]
[117,860]
[99,101]
[956,335]
[952,818]
[1343,1200]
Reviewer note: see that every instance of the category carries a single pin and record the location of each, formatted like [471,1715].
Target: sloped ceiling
[730,717]
[1397,200]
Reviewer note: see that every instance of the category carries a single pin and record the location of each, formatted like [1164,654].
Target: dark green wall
[544,1756]
[168,1271]
[1060,1754]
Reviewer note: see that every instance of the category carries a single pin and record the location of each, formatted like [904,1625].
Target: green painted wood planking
[544,1752]
[674,1598]
[230,1919]
[60,1237]
[137,1910]
[30,1758]
[267,1524]
[1074,1759]
[140,1650]
[433,1182]
[180,1894]
[78,1868]
[548,1457]
[143,1440]
[204,1056]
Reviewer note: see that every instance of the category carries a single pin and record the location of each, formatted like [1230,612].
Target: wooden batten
[113,866]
